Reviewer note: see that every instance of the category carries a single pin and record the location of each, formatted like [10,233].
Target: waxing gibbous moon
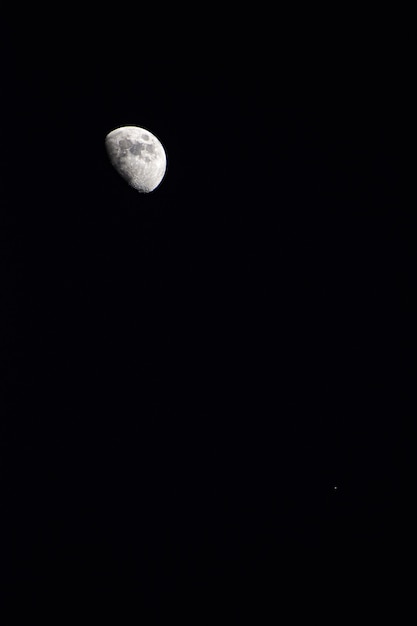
[138,156]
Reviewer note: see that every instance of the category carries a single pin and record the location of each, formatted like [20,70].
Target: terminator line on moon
[138,156]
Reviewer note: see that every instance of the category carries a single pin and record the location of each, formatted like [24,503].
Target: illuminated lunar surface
[138,156]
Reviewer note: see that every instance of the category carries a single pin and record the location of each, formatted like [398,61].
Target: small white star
[335,487]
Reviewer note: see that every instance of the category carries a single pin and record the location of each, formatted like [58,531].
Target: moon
[138,156]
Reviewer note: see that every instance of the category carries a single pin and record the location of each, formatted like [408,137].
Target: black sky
[187,376]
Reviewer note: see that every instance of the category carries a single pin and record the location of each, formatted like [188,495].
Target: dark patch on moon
[137,148]
[145,137]
[125,144]
[150,148]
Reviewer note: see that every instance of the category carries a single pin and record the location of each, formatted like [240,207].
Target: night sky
[205,404]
